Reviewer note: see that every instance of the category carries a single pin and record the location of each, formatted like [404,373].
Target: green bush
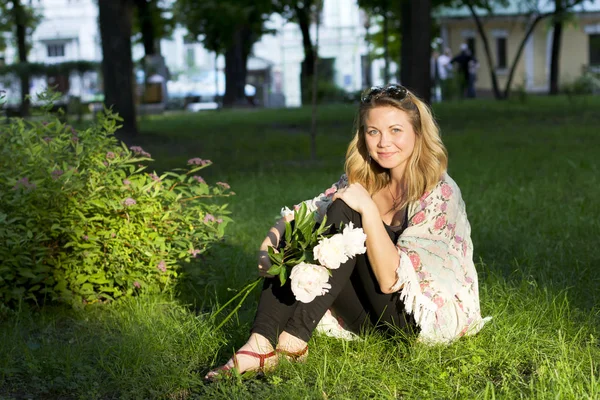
[81,221]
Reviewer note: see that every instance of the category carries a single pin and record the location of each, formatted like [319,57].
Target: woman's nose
[384,139]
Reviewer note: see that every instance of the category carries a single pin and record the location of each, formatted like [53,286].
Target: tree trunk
[416,48]
[515,62]
[115,17]
[406,44]
[386,50]
[146,26]
[236,56]
[488,51]
[21,32]
[556,45]
[308,65]
[315,79]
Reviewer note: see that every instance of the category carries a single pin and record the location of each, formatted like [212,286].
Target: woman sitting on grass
[417,275]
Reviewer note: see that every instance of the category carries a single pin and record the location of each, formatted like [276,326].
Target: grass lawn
[530,177]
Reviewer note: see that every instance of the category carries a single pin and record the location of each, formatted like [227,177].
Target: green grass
[529,174]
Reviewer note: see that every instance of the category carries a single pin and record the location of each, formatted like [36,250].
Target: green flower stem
[246,290]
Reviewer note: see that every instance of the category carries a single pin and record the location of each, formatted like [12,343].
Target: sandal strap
[261,357]
[293,354]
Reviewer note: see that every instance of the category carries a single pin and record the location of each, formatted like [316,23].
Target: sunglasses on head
[396,92]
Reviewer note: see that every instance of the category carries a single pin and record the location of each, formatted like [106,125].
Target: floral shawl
[437,279]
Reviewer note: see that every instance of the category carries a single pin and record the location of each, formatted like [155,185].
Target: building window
[501,53]
[56,50]
[595,50]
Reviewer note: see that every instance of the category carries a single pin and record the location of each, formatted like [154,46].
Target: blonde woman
[417,274]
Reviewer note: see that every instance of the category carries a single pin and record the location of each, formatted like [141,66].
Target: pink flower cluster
[194,252]
[24,183]
[129,202]
[110,155]
[162,266]
[56,173]
[198,161]
[154,177]
[138,151]
[224,185]
[199,179]
[211,218]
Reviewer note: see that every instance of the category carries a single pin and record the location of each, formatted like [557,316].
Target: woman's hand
[264,264]
[356,197]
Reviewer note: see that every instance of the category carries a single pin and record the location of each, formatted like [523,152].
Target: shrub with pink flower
[85,219]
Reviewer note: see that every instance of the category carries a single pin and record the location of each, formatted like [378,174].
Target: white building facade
[69,32]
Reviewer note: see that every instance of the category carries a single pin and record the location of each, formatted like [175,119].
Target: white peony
[354,240]
[309,281]
[330,252]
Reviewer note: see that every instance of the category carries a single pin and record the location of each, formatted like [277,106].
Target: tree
[21,20]
[302,13]
[415,54]
[115,18]
[152,23]
[229,27]
[383,9]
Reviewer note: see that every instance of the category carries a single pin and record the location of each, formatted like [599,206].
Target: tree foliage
[153,20]
[229,27]
[28,16]
[213,22]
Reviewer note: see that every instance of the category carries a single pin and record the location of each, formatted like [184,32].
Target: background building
[505,29]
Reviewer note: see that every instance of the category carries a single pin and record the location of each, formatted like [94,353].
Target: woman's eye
[372,132]
[395,130]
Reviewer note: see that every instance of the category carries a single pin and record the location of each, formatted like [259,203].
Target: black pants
[354,296]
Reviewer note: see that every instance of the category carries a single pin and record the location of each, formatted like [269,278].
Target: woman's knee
[339,211]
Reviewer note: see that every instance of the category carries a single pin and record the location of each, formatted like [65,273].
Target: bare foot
[293,348]
[256,354]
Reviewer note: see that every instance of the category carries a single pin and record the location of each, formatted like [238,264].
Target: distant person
[417,275]
[250,92]
[435,77]
[467,66]
[444,67]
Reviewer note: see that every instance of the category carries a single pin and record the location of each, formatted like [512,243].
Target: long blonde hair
[427,163]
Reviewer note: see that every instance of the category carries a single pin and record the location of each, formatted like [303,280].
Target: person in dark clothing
[467,66]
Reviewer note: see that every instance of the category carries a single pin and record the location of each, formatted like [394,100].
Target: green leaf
[275,270]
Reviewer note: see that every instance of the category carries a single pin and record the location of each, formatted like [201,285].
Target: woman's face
[390,138]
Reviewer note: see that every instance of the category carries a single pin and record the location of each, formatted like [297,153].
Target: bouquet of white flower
[308,253]
[306,256]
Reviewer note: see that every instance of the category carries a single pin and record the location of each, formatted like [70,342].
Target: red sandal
[299,356]
[226,370]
